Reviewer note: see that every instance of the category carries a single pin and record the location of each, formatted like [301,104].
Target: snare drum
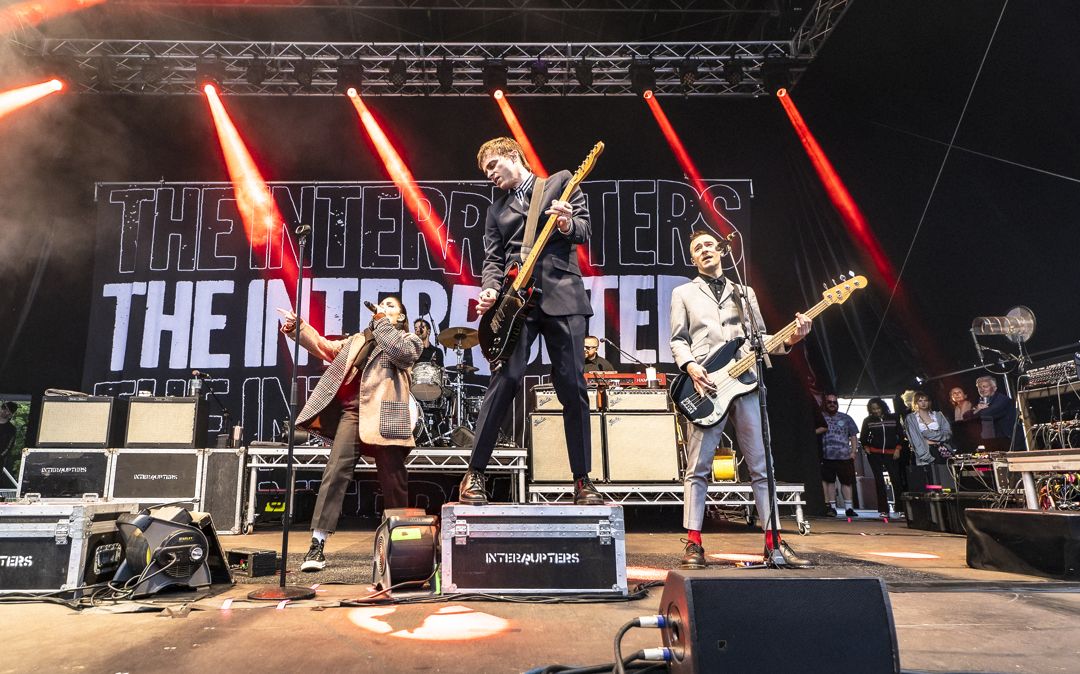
[427,381]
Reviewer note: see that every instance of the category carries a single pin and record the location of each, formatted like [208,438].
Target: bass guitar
[732,376]
[501,324]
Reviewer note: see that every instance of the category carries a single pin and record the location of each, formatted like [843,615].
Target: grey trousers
[347,448]
[701,445]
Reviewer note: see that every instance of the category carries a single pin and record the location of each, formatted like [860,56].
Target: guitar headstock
[587,165]
[839,293]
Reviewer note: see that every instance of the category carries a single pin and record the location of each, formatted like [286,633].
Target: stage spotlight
[688,73]
[444,72]
[304,72]
[538,73]
[255,74]
[398,73]
[733,72]
[494,74]
[350,75]
[583,71]
[642,77]
[153,71]
[210,70]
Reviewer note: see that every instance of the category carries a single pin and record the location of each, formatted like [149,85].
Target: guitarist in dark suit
[561,315]
[706,315]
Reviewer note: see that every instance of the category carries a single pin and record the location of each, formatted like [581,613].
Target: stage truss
[262,68]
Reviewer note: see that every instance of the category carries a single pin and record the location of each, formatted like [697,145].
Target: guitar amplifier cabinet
[531,549]
[149,476]
[166,423]
[641,447]
[48,547]
[637,400]
[55,473]
[80,421]
[547,448]
[547,401]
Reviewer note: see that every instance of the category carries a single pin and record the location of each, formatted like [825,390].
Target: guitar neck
[526,271]
[776,341]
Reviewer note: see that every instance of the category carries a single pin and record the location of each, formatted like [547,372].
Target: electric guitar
[501,324]
[733,377]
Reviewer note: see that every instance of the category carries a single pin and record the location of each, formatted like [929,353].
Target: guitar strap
[534,216]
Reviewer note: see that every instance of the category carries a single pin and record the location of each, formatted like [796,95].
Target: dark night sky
[883,99]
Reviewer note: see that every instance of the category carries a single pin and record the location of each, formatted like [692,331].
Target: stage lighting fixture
[153,71]
[494,74]
[350,75]
[304,72]
[776,74]
[688,73]
[255,74]
[733,72]
[642,77]
[210,70]
[398,73]
[538,73]
[444,72]
[583,71]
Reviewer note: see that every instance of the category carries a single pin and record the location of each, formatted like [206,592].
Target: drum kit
[446,402]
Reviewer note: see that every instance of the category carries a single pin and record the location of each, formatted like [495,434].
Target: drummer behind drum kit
[447,413]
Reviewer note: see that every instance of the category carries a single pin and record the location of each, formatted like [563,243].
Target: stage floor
[949,618]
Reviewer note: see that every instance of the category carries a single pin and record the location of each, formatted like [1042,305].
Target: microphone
[200,375]
[371,307]
[978,347]
[614,346]
[303,230]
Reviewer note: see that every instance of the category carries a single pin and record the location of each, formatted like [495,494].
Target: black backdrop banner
[178,287]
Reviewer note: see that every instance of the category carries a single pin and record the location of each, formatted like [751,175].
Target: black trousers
[881,464]
[346,450]
[564,336]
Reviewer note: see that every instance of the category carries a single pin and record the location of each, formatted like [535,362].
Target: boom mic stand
[775,558]
[283,591]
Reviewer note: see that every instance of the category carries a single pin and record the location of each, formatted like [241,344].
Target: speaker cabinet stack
[91,422]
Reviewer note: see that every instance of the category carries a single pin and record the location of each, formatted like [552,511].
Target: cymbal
[453,338]
[461,367]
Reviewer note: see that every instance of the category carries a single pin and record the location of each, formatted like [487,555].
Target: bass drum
[427,381]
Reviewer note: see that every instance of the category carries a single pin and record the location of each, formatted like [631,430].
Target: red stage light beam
[14,99]
[420,208]
[708,207]
[262,219]
[533,158]
[33,12]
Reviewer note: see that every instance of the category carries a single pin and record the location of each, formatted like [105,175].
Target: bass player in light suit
[561,315]
[705,315]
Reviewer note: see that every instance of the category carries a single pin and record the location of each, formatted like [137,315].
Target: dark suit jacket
[557,273]
[1002,410]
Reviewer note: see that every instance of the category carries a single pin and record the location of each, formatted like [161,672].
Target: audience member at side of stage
[839,445]
[996,413]
[882,439]
[929,433]
[965,426]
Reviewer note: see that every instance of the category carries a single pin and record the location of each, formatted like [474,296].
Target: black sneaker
[314,560]
[472,490]
[693,556]
[830,512]
[850,512]
[585,493]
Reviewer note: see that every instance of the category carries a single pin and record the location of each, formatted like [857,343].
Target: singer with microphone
[362,401]
[594,362]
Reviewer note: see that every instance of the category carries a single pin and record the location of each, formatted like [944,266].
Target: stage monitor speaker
[777,621]
[80,421]
[641,447]
[223,488]
[548,457]
[171,423]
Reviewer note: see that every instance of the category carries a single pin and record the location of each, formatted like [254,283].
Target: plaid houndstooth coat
[384,382]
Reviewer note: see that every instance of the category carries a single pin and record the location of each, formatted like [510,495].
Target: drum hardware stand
[283,591]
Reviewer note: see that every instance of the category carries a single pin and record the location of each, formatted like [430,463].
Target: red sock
[769,539]
[694,536]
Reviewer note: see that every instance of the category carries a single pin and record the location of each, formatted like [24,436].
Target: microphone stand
[775,558]
[226,417]
[282,591]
